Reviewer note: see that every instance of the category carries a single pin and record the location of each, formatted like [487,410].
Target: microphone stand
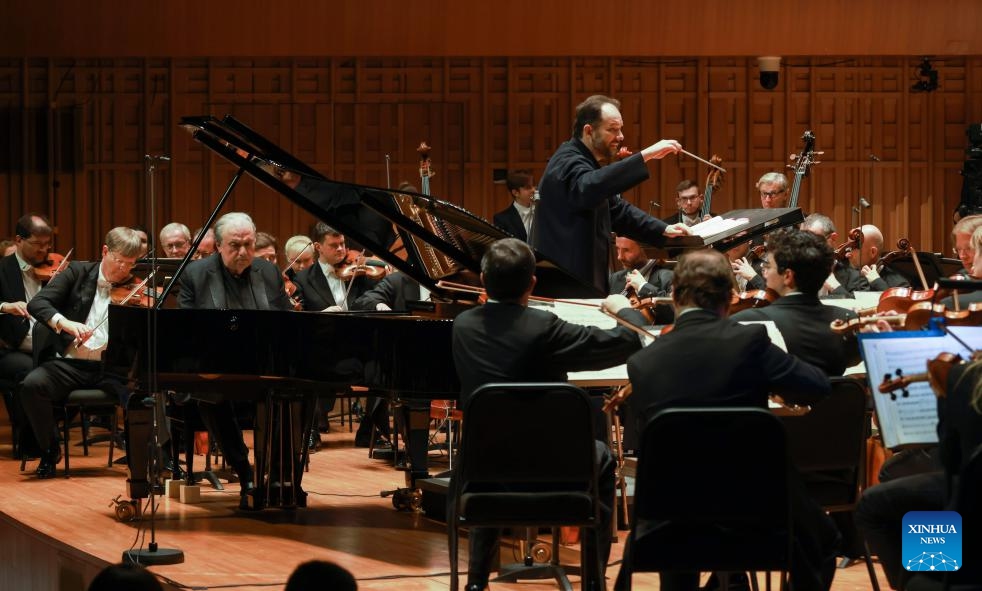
[153,554]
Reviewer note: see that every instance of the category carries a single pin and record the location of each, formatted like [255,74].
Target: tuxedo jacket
[203,287]
[579,206]
[394,290]
[317,294]
[510,220]
[711,361]
[13,329]
[805,321]
[70,293]
[851,280]
[500,342]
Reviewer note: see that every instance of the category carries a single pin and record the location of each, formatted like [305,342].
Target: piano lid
[426,238]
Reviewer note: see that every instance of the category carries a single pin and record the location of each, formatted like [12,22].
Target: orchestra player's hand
[334,308]
[743,268]
[635,280]
[615,303]
[660,149]
[831,284]
[869,272]
[15,309]
[677,230]
[382,307]
[78,330]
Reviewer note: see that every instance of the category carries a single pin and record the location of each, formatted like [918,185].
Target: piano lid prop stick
[691,155]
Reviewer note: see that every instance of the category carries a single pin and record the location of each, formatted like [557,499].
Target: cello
[714,180]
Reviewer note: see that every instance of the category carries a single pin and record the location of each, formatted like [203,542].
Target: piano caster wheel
[126,510]
[541,552]
[407,499]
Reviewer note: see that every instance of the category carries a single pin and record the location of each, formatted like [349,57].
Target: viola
[55,263]
[900,299]
[936,375]
[648,306]
[854,240]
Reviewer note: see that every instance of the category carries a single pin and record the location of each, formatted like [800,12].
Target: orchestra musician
[322,289]
[745,368]
[961,237]
[506,341]
[18,284]
[207,246]
[746,267]
[865,259]
[175,239]
[266,247]
[580,194]
[516,219]
[974,269]
[144,238]
[234,280]
[690,200]
[773,187]
[795,267]
[882,507]
[299,251]
[75,305]
[646,277]
[844,280]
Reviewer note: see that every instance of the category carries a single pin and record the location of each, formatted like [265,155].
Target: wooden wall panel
[344,115]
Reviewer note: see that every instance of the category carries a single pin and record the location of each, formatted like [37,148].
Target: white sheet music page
[773,332]
[910,420]
[717,225]
[588,316]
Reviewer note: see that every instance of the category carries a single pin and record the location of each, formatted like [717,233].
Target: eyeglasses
[175,245]
[772,193]
[958,252]
[121,263]
[692,198]
[38,243]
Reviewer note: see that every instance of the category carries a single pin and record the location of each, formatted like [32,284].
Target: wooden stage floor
[56,534]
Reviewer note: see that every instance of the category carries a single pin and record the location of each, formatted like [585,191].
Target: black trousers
[51,383]
[483,541]
[14,367]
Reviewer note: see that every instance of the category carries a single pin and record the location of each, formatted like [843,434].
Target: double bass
[801,163]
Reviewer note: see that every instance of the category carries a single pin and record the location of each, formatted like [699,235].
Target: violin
[900,299]
[291,288]
[55,263]
[355,264]
[917,317]
[755,298]
[135,293]
[936,375]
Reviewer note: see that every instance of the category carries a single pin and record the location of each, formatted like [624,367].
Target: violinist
[266,247]
[175,239]
[882,507]
[795,266]
[506,341]
[207,246]
[844,280]
[866,256]
[645,277]
[75,305]
[18,284]
[746,264]
[742,368]
[300,250]
[975,271]
[322,289]
[516,219]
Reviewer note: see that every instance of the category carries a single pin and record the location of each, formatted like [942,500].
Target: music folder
[909,416]
[735,227]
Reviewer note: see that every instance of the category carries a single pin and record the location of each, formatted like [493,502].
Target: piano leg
[416,418]
[138,424]
[281,425]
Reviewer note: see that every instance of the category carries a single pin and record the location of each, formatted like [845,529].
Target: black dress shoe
[738,582]
[246,495]
[48,466]
[475,587]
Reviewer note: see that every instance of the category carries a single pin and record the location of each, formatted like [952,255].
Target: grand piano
[261,355]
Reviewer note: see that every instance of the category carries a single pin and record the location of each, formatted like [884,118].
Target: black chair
[526,459]
[7,388]
[827,446]
[712,493]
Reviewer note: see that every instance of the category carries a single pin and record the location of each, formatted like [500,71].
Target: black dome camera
[769,66]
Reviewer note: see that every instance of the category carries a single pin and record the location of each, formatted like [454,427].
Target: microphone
[874,157]
[655,204]
[160,158]
[864,202]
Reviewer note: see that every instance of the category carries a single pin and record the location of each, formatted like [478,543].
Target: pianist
[75,304]
[234,280]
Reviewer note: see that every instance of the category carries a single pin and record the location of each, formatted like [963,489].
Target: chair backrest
[527,433]
[713,465]
[831,438]
[711,494]
[966,502]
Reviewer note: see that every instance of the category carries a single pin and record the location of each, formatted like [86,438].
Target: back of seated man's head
[319,574]
[806,254]
[125,577]
[507,269]
[704,279]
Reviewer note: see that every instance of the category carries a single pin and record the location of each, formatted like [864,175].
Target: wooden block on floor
[190,493]
[172,488]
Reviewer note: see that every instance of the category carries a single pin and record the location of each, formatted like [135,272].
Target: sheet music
[589,316]
[717,225]
[910,420]
[772,331]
